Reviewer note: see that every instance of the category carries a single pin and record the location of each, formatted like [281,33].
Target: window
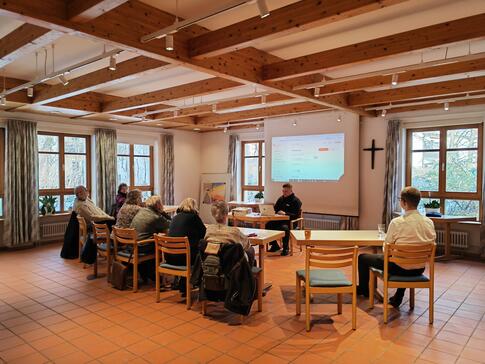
[2,168]
[252,160]
[64,163]
[446,165]
[135,167]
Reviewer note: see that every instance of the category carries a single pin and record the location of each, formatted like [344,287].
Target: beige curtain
[106,147]
[167,169]
[482,221]
[349,223]
[21,225]
[232,166]
[391,181]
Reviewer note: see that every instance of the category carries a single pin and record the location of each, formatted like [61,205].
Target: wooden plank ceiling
[229,57]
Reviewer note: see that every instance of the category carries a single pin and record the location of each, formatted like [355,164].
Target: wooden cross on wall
[373,151]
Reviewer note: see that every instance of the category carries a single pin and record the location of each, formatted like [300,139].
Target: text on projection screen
[308,158]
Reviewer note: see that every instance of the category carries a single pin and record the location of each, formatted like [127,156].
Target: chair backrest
[100,233]
[331,258]
[171,245]
[125,236]
[410,255]
[83,229]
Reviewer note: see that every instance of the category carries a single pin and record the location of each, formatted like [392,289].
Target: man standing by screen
[287,204]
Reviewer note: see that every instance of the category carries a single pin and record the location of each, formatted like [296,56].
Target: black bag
[119,274]
[89,252]
[70,248]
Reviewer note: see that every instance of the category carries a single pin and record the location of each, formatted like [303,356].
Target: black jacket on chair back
[70,248]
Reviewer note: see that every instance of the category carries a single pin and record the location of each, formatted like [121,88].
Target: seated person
[287,204]
[221,233]
[186,223]
[130,208]
[410,228]
[86,208]
[120,197]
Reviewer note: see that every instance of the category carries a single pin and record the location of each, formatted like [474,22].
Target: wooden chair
[296,224]
[405,255]
[128,237]
[176,246]
[83,233]
[102,239]
[329,279]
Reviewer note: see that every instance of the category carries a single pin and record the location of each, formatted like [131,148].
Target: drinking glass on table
[381,229]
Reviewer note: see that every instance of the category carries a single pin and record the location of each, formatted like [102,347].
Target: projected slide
[308,158]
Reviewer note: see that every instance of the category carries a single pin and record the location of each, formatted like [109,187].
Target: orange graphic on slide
[323,149]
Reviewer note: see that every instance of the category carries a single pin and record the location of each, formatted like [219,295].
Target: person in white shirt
[85,207]
[410,228]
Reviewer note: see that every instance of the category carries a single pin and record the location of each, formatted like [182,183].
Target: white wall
[214,152]
[187,164]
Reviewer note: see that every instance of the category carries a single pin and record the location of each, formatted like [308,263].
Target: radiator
[54,230]
[459,239]
[321,224]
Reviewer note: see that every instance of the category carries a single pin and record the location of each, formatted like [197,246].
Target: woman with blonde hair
[186,223]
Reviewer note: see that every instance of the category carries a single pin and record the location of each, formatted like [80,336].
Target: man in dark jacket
[287,204]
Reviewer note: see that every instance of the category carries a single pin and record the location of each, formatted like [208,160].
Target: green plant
[48,204]
[259,195]
[434,204]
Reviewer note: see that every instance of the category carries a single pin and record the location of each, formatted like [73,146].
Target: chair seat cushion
[127,253]
[171,266]
[326,278]
[102,246]
[256,270]
[396,278]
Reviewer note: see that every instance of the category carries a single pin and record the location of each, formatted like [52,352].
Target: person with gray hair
[221,233]
[151,219]
[130,208]
[86,208]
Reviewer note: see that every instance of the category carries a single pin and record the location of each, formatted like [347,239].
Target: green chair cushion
[326,278]
[396,278]
[127,253]
[170,266]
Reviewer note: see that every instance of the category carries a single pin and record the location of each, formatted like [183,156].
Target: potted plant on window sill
[259,197]
[432,208]
[47,205]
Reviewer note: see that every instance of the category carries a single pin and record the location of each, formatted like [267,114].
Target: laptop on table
[266,210]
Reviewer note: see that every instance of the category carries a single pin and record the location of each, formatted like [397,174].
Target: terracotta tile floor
[49,312]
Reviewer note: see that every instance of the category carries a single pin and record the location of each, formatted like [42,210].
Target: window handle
[443,166]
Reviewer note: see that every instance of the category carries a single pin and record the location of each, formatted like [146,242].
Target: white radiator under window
[321,224]
[459,239]
[53,230]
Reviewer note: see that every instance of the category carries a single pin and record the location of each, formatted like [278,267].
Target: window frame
[260,186]
[441,194]
[62,190]
[132,156]
[2,170]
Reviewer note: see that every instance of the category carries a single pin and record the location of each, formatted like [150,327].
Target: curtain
[391,179]
[482,221]
[21,225]
[106,149]
[349,223]
[232,165]
[167,169]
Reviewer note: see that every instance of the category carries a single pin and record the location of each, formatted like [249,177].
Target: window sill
[56,214]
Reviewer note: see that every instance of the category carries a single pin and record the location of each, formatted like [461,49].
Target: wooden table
[253,205]
[258,220]
[361,238]
[170,209]
[447,220]
[262,238]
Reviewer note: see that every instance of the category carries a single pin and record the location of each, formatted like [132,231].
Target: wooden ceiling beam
[302,15]
[23,41]
[125,71]
[434,105]
[89,102]
[473,84]
[123,27]
[299,108]
[82,11]
[430,36]
[197,88]
[428,74]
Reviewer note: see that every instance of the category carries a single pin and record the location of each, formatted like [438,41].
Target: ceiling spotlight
[257,126]
[112,63]
[316,92]
[446,106]
[169,42]
[214,107]
[64,80]
[294,123]
[384,112]
[175,113]
[196,129]
[339,119]
[394,79]
[263,8]
[30,91]
[225,129]
[263,99]
[3,101]
[113,118]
